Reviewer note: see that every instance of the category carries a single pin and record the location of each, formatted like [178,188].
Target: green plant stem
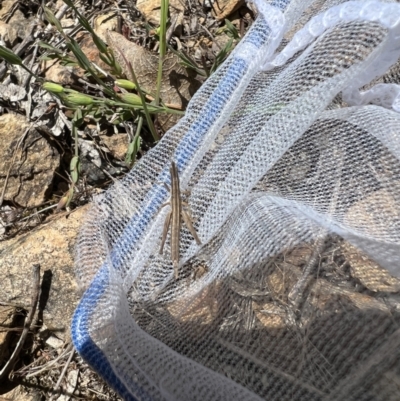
[32,73]
[138,128]
[153,131]
[148,107]
[159,79]
[134,140]
[163,47]
[76,139]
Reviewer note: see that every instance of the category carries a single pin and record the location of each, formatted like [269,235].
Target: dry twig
[62,375]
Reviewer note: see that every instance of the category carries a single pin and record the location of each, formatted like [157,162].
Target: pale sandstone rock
[104,23]
[151,9]
[18,394]
[51,246]
[33,167]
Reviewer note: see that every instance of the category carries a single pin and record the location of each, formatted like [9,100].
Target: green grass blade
[153,131]
[163,47]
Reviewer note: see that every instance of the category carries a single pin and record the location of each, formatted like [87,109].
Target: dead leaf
[368,272]
[271,316]
[374,212]
[200,308]
[18,393]
[300,255]
[323,293]
[177,85]
[282,280]
[12,92]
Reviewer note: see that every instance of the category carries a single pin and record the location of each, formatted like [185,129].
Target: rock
[7,320]
[223,8]
[51,246]
[374,212]
[6,7]
[68,75]
[72,381]
[61,74]
[91,51]
[8,34]
[368,272]
[19,26]
[117,144]
[32,168]
[19,393]
[151,9]
[104,23]
[67,24]
[54,342]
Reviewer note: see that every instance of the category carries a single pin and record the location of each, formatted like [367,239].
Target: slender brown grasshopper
[174,219]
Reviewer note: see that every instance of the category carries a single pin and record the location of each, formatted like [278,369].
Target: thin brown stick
[28,321]
[62,375]
[50,365]
[297,293]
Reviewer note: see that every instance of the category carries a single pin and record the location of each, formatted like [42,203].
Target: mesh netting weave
[291,154]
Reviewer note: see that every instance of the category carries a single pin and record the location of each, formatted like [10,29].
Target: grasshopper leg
[165,231]
[175,263]
[189,225]
[165,204]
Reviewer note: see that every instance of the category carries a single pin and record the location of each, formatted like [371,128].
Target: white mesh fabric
[283,168]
